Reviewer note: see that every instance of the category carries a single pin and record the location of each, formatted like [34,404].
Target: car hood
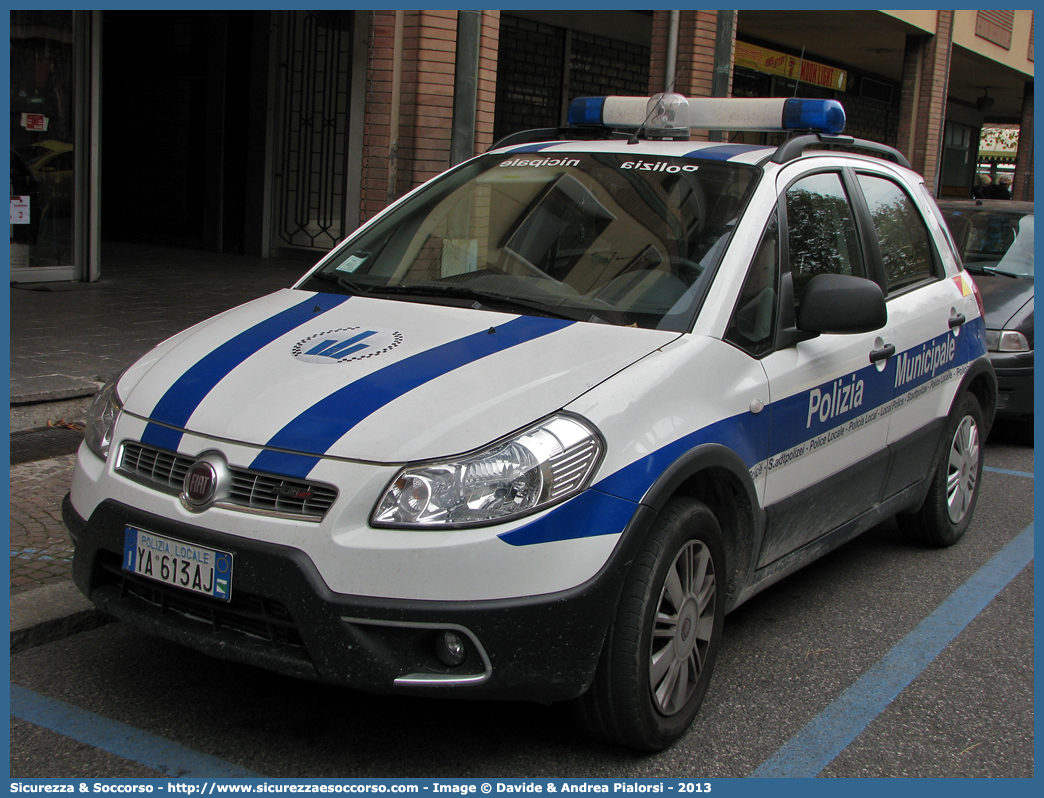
[368,379]
[1003,297]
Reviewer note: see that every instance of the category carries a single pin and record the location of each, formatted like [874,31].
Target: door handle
[957,321]
[883,353]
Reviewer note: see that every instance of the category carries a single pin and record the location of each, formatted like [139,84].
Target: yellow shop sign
[762,59]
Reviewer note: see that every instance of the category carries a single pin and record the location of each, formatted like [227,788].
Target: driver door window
[821,231]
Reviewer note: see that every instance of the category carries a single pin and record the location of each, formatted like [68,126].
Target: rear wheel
[950,503]
[662,645]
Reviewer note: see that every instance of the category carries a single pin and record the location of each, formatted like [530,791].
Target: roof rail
[794,148]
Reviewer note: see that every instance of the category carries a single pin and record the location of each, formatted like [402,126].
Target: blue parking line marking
[146,749]
[1010,473]
[809,751]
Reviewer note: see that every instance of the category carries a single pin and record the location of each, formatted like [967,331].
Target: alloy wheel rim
[683,628]
[962,470]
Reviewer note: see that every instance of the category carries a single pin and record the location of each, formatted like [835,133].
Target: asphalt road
[788,657]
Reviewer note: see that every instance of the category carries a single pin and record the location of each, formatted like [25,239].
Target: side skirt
[788,564]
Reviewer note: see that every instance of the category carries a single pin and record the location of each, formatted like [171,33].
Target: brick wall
[434,39]
[421,149]
[377,145]
[1022,182]
[926,67]
[932,108]
[697,37]
[489,57]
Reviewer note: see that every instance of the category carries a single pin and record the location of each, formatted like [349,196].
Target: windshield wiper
[349,285]
[488,299]
[1001,272]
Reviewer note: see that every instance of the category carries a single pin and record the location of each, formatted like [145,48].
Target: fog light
[449,648]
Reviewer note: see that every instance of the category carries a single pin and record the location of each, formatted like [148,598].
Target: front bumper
[283,617]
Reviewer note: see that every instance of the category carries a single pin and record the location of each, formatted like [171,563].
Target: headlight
[101,418]
[547,463]
[1006,341]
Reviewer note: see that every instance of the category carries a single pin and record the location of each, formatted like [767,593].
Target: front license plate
[175,562]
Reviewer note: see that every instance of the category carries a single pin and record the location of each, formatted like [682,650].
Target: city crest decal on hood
[346,344]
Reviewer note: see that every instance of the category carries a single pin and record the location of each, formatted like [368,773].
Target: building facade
[276,133]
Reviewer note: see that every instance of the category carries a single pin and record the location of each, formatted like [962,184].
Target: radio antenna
[801,63]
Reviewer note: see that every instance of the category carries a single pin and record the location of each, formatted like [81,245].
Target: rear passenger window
[821,231]
[906,249]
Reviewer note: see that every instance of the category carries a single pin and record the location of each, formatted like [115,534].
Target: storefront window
[42,141]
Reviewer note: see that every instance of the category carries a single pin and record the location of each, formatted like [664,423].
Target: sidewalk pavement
[67,339]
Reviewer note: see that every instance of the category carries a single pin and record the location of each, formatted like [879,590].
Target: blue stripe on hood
[324,423]
[183,397]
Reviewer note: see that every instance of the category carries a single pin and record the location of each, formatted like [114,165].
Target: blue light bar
[825,116]
[672,116]
[586,111]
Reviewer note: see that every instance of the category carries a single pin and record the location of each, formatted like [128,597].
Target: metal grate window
[607,66]
[314,85]
[529,76]
[251,491]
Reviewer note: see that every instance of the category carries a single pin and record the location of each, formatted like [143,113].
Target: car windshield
[993,241]
[610,238]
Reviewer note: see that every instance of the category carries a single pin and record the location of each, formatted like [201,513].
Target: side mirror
[840,304]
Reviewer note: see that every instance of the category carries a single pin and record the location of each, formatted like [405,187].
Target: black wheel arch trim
[743,533]
[981,381]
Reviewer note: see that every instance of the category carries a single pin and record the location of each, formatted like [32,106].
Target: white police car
[534,430]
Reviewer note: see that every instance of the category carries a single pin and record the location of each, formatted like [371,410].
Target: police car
[536,428]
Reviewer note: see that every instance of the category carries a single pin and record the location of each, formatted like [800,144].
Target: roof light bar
[825,116]
[662,115]
[671,115]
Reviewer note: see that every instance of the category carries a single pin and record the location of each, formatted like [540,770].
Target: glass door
[43,144]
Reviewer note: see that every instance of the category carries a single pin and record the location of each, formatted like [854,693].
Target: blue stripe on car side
[188,391]
[606,507]
[324,423]
[590,514]
[600,510]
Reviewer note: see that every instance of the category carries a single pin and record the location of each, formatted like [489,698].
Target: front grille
[254,616]
[251,491]
[280,495]
[163,469]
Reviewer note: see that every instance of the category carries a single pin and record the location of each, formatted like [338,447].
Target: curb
[50,613]
[32,416]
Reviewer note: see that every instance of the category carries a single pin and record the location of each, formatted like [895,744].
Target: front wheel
[662,644]
[950,502]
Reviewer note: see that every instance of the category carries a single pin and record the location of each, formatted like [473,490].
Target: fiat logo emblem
[686,628]
[200,483]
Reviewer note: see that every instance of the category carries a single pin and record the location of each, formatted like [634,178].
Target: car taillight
[978,296]
[962,281]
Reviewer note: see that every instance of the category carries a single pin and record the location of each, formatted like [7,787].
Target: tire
[949,505]
[662,644]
